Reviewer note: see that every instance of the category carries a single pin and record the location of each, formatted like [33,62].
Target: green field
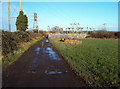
[96,60]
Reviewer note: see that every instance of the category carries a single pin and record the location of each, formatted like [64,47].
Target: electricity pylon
[35,24]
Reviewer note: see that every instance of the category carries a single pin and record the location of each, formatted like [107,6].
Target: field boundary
[18,53]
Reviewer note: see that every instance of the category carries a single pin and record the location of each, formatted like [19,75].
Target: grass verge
[11,57]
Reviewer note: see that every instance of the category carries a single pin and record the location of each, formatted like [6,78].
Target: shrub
[12,40]
[104,34]
[23,36]
[117,34]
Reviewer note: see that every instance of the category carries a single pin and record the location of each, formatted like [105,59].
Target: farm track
[41,66]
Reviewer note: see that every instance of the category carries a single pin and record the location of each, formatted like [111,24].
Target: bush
[8,42]
[117,34]
[104,34]
[23,36]
[12,40]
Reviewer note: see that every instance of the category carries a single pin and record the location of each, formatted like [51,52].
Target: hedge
[12,40]
[104,34]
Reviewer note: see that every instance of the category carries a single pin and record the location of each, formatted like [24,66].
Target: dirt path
[40,66]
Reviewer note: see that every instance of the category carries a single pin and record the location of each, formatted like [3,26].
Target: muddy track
[40,66]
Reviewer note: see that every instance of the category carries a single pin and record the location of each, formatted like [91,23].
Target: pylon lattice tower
[35,24]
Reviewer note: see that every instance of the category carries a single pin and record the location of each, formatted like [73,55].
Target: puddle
[34,61]
[48,51]
[47,40]
[37,49]
[52,54]
[50,67]
[59,72]
[44,52]
[49,45]
[37,53]
[33,66]
[33,72]
[54,72]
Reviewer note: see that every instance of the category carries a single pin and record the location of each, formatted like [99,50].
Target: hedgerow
[12,40]
[104,34]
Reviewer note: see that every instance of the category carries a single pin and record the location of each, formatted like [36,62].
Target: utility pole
[66,30]
[87,29]
[81,29]
[48,28]
[69,29]
[20,5]
[77,24]
[72,27]
[93,29]
[90,29]
[9,15]
[104,26]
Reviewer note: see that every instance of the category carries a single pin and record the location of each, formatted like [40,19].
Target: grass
[22,48]
[96,60]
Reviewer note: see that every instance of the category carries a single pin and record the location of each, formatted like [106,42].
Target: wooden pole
[81,30]
[9,15]
[20,6]
[66,30]
[87,29]
[90,29]
[73,30]
[69,30]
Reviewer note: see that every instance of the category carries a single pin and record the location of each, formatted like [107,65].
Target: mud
[41,66]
